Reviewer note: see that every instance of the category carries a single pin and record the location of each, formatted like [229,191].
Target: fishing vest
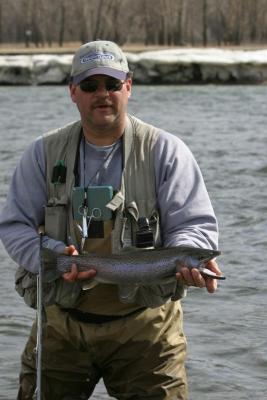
[136,198]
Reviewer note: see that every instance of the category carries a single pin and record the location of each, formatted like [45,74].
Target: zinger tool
[90,210]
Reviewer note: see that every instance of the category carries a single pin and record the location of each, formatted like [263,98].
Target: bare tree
[180,23]
[27,22]
[62,15]
[204,24]
[167,22]
[96,19]
[1,12]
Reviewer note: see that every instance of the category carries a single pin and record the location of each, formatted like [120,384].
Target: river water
[225,127]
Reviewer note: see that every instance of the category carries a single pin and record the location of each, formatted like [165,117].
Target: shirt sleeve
[23,211]
[187,216]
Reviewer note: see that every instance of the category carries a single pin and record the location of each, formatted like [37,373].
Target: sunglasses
[111,85]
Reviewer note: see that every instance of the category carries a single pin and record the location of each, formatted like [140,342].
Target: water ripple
[226,331]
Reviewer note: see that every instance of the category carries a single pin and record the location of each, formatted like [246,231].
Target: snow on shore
[173,66]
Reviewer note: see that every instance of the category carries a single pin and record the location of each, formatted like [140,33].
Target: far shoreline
[150,64]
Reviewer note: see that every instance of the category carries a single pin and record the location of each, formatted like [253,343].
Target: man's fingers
[213,266]
[75,275]
[211,284]
[191,278]
[71,250]
[72,275]
[86,274]
[194,278]
[198,278]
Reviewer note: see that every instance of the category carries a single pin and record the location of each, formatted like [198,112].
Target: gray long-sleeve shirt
[187,216]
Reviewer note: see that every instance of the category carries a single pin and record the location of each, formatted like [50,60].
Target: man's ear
[72,89]
[129,87]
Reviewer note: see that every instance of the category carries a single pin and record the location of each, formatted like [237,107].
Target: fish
[136,267]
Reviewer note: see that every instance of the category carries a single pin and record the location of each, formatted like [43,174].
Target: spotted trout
[138,267]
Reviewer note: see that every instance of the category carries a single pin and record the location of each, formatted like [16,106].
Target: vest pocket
[101,245]
[144,208]
[56,222]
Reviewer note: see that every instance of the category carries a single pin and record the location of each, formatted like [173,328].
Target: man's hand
[74,274]
[194,277]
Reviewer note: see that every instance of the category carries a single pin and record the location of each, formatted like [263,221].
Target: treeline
[150,22]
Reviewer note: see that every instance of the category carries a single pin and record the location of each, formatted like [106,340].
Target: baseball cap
[99,57]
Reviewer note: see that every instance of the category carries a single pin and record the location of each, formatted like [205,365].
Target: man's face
[102,109]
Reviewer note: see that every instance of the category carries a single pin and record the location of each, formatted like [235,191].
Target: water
[225,127]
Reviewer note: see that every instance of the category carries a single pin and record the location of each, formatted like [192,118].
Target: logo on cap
[96,57]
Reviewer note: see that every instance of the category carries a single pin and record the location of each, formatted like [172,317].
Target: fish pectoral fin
[127,292]
[89,284]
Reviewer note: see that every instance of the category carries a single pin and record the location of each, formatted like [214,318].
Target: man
[131,337]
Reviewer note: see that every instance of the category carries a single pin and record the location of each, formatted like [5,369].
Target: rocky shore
[176,66]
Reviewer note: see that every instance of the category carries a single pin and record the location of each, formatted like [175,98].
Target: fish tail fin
[49,259]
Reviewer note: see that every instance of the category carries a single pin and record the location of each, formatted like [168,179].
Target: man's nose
[101,89]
